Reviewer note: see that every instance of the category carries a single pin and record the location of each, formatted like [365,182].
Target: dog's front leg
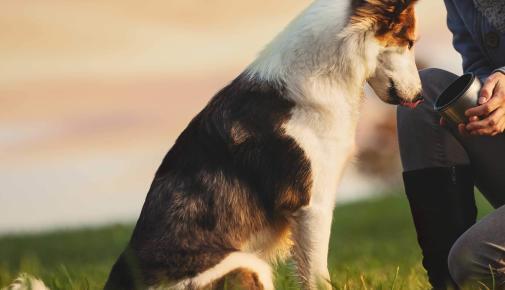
[312,230]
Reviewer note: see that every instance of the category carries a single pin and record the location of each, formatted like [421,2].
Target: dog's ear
[397,8]
[402,5]
[398,5]
[382,8]
[383,14]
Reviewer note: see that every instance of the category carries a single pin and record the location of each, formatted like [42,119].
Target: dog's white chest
[328,142]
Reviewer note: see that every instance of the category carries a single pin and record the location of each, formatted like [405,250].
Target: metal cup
[460,96]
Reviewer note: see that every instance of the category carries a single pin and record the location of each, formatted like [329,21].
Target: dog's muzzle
[395,98]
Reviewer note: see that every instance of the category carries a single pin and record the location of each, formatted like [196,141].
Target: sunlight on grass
[373,246]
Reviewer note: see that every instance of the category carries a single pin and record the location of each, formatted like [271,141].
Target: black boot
[443,207]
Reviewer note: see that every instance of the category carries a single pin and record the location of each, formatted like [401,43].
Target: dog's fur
[26,282]
[253,177]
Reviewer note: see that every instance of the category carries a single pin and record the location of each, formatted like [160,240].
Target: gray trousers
[426,144]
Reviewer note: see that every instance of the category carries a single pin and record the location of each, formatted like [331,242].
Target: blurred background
[93,93]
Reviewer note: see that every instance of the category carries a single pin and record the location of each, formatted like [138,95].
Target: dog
[253,178]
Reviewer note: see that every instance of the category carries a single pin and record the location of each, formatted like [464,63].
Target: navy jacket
[481,46]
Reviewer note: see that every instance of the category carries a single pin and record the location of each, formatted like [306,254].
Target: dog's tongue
[411,105]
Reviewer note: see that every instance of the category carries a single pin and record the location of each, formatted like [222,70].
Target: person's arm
[473,59]
[489,117]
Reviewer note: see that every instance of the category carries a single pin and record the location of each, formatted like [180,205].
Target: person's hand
[488,119]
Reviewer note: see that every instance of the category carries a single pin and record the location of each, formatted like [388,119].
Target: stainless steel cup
[460,96]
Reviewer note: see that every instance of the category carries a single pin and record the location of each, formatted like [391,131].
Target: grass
[373,246]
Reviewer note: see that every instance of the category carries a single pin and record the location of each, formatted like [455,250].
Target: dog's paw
[26,282]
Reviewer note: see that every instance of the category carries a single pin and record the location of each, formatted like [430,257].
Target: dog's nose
[419,97]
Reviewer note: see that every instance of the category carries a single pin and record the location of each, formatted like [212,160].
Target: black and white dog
[253,177]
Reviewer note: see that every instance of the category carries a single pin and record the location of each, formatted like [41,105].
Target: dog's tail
[236,261]
[26,282]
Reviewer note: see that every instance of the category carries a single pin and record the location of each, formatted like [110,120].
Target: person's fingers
[501,126]
[462,130]
[473,119]
[487,89]
[487,108]
[482,132]
[492,95]
[442,121]
[491,122]
[490,131]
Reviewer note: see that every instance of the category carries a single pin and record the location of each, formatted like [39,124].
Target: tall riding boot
[443,207]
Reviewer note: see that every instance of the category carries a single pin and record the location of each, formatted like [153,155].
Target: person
[443,162]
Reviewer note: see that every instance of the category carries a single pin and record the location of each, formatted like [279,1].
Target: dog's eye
[411,44]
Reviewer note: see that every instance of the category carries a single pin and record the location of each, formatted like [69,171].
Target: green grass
[373,246]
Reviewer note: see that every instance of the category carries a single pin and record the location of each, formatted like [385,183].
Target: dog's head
[393,24]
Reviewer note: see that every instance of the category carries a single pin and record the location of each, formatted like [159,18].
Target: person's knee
[434,81]
[471,261]
[460,261]
[428,75]
[432,73]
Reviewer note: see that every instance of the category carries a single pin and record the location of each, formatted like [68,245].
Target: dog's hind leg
[312,230]
[241,279]
[250,270]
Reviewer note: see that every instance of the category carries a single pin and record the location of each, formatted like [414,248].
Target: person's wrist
[499,70]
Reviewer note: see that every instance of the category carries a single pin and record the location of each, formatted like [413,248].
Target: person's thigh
[424,143]
[478,256]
